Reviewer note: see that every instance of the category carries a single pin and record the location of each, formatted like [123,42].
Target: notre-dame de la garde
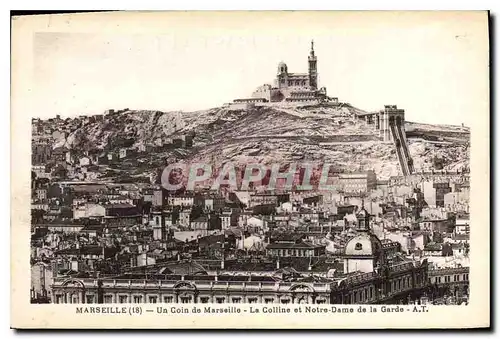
[291,87]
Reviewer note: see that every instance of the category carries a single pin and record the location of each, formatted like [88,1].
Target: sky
[433,65]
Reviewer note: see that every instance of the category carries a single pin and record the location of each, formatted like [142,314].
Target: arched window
[358,246]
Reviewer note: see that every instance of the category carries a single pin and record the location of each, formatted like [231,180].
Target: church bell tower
[313,72]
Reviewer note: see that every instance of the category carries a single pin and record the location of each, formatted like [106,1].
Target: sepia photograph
[251,164]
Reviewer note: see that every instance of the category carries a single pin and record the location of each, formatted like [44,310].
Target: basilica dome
[363,244]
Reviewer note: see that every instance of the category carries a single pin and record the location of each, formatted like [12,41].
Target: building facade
[393,286]
[358,182]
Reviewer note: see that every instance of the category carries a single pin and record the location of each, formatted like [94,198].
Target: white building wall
[363,265]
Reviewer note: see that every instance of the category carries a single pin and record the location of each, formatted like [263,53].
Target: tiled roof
[302,245]
[182,268]
[119,206]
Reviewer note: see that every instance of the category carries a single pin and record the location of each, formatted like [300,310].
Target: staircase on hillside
[405,162]
[404,146]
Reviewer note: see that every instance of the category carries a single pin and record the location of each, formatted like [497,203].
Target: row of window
[294,83]
[368,293]
[153,299]
[401,284]
[292,252]
[363,295]
[348,181]
[449,278]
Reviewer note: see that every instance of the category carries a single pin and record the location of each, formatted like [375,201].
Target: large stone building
[358,182]
[400,282]
[291,87]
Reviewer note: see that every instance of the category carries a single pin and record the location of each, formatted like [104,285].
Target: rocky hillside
[267,135]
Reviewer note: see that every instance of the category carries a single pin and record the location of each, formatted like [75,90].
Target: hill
[317,133]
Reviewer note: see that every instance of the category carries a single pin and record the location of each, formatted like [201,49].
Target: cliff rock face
[317,134]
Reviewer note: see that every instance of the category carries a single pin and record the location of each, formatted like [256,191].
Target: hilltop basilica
[290,87]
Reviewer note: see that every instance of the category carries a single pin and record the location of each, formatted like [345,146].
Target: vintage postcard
[262,170]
